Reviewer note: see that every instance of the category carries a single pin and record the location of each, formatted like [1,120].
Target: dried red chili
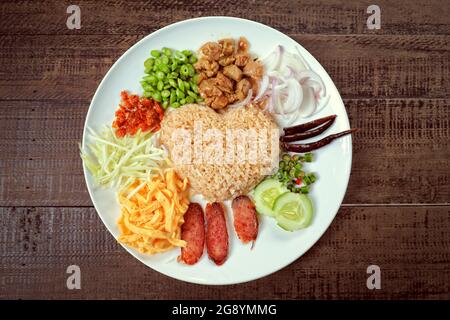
[136,113]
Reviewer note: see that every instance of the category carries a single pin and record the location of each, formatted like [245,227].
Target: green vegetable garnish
[118,162]
[171,76]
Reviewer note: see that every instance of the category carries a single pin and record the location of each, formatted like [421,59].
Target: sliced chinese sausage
[245,219]
[216,233]
[193,232]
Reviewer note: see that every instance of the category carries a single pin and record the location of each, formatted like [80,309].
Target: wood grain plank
[365,66]
[409,244]
[143,17]
[401,153]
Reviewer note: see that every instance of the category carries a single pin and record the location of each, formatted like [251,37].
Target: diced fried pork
[233,72]
[224,83]
[209,67]
[226,61]
[207,87]
[242,88]
[220,102]
[212,50]
[227,47]
[241,59]
[254,70]
[226,74]
[232,97]
[243,45]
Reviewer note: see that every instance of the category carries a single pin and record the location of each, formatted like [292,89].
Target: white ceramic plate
[274,248]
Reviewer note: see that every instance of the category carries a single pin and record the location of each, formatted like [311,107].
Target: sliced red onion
[263,85]
[289,61]
[273,84]
[322,103]
[295,90]
[306,77]
[300,57]
[317,88]
[286,120]
[289,73]
[243,102]
[272,60]
[294,96]
[309,103]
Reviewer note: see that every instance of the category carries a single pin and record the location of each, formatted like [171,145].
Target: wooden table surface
[395,84]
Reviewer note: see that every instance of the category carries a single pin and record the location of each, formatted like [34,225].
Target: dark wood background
[395,84]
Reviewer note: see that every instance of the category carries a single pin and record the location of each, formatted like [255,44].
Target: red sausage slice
[216,233]
[193,232]
[245,219]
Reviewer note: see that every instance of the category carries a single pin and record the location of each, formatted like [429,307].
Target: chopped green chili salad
[291,174]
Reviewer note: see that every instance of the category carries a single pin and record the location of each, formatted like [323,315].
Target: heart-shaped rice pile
[222,154]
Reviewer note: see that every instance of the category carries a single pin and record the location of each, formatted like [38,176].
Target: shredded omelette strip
[152,213]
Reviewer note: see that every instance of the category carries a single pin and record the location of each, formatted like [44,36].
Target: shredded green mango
[117,162]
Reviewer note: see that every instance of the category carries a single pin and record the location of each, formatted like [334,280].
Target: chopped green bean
[165,69]
[146,86]
[167,51]
[192,59]
[160,75]
[180,94]
[165,93]
[157,96]
[173,83]
[165,60]
[192,94]
[155,53]
[187,53]
[180,84]
[149,63]
[180,56]
[173,96]
[184,70]
[150,78]
[191,70]
[170,77]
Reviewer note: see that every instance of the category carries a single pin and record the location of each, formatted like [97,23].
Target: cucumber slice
[265,195]
[293,211]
